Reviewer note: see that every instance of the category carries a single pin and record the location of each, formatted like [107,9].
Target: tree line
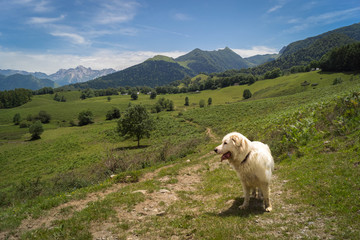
[14,98]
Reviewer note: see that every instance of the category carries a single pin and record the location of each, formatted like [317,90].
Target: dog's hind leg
[246,190]
[265,189]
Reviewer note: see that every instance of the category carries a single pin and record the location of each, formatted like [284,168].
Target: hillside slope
[24,81]
[162,70]
[149,73]
[304,51]
[213,61]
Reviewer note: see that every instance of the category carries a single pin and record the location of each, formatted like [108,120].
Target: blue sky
[46,35]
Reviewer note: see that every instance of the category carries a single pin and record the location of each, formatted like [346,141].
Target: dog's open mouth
[226,156]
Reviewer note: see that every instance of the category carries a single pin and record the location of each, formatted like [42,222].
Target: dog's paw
[244,206]
[268,209]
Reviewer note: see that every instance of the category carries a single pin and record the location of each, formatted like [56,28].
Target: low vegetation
[171,186]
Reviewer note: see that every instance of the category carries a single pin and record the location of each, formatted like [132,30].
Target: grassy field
[59,187]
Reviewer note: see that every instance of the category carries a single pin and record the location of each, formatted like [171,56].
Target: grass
[314,140]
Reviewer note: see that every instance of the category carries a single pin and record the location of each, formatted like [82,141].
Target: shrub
[153,95]
[134,96]
[209,101]
[202,103]
[186,101]
[44,117]
[24,124]
[337,80]
[163,104]
[247,94]
[113,114]
[85,117]
[17,119]
[36,130]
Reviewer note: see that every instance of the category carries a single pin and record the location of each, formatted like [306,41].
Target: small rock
[140,191]
[188,160]
[162,213]
[112,175]
[164,191]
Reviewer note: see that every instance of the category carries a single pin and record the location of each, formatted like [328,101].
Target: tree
[85,117]
[247,94]
[153,95]
[202,103]
[136,122]
[44,117]
[109,98]
[36,130]
[17,119]
[134,96]
[113,114]
[209,101]
[186,101]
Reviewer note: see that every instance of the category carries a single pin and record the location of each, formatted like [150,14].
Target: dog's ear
[236,140]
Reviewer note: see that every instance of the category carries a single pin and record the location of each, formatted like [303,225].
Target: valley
[173,186]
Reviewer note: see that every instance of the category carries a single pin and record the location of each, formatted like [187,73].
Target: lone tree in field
[186,101]
[36,130]
[134,96]
[136,122]
[17,119]
[85,117]
[247,94]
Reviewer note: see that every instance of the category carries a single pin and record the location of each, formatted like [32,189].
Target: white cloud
[36,5]
[256,50]
[322,19]
[273,9]
[43,20]
[115,11]
[74,38]
[50,63]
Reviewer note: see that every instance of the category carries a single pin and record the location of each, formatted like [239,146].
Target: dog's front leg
[246,190]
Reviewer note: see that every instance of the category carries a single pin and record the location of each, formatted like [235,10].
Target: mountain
[213,61]
[64,76]
[78,74]
[304,51]
[153,72]
[261,59]
[9,72]
[161,70]
[24,81]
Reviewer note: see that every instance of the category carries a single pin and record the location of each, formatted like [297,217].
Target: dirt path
[188,181]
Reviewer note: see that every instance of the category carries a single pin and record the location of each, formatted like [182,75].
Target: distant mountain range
[24,81]
[161,70]
[63,76]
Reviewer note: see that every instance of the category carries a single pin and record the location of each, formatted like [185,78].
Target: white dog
[253,163]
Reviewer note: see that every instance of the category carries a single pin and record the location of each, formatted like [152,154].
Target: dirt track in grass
[293,221]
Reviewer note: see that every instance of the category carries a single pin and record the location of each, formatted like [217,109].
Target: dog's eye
[225,143]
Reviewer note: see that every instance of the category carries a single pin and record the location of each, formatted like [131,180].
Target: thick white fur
[255,171]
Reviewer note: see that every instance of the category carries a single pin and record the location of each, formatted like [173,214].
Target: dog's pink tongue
[226,156]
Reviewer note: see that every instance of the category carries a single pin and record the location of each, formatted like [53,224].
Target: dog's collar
[246,157]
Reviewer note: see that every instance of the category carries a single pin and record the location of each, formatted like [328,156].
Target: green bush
[247,94]
[17,119]
[85,118]
[44,117]
[36,130]
[113,114]
[202,103]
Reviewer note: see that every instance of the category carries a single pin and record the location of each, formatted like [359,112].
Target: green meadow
[313,132]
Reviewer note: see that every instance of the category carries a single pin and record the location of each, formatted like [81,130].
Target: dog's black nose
[215,150]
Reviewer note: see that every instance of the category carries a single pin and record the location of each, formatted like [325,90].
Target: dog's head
[232,144]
